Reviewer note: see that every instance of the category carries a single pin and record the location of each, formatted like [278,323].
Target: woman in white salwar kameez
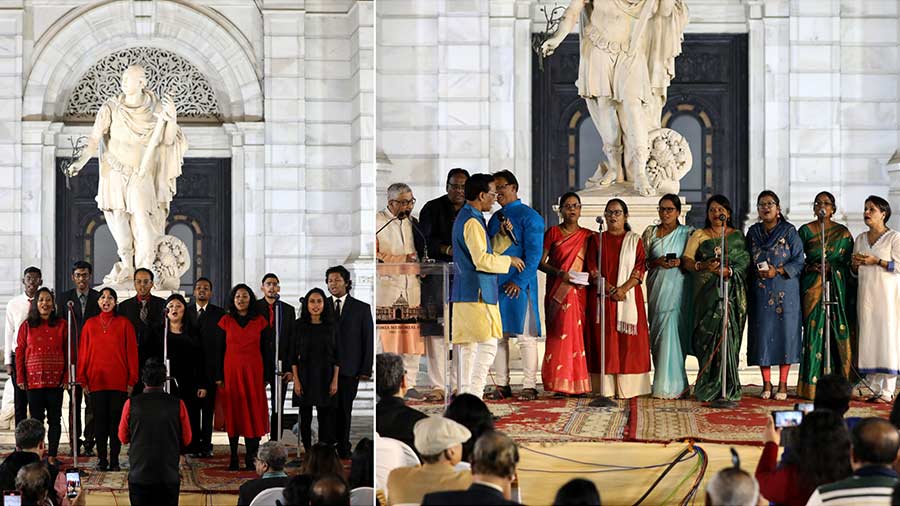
[876,260]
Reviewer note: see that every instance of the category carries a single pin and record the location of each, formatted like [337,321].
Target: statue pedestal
[641,210]
[127,292]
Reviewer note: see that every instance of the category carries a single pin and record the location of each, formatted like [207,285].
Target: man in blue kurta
[476,313]
[518,290]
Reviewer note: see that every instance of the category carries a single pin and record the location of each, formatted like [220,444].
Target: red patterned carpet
[644,419]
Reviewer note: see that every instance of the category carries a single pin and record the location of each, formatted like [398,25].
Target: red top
[125,432]
[780,485]
[41,355]
[107,355]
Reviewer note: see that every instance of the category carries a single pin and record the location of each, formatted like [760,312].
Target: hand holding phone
[73,483]
[12,498]
[787,418]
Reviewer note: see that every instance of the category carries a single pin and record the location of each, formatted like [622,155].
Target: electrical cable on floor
[592,464]
[671,465]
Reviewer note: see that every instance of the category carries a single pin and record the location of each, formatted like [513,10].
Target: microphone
[503,221]
[70,304]
[599,220]
[277,296]
[722,217]
[820,213]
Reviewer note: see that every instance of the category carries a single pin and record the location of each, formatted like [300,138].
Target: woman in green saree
[839,250]
[702,257]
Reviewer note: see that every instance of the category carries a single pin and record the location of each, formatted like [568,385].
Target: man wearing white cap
[439,443]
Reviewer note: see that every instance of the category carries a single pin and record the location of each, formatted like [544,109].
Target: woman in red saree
[565,365]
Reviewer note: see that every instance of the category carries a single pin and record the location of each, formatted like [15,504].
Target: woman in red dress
[564,367]
[41,349]
[108,370]
[627,336]
[242,387]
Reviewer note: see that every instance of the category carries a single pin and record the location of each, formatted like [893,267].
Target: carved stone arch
[200,35]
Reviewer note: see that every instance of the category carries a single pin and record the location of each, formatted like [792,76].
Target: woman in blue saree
[669,311]
[776,263]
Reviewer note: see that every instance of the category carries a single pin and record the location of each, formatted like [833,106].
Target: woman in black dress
[186,366]
[315,366]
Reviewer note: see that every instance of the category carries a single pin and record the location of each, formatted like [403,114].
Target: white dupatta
[626,310]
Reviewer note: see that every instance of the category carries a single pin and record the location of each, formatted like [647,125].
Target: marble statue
[628,50]
[141,151]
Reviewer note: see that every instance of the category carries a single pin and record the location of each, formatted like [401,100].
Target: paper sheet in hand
[578,278]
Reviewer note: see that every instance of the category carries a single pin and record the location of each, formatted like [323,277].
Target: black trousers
[88,433]
[273,418]
[19,397]
[108,406]
[326,416]
[202,423]
[153,494]
[49,401]
[346,394]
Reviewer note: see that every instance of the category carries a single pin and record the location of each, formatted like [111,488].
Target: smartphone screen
[73,483]
[805,407]
[671,256]
[789,418]
[12,498]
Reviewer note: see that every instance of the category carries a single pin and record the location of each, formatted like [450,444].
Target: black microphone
[302,300]
[503,221]
[722,217]
[821,213]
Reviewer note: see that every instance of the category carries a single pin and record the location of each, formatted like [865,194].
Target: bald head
[874,441]
[732,487]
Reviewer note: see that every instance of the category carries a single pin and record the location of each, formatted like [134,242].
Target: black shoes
[499,393]
[103,464]
[233,464]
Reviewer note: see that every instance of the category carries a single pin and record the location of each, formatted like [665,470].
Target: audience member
[833,393]
[329,490]
[296,491]
[439,441]
[362,464]
[474,415]
[494,464]
[810,463]
[157,426]
[393,418]
[33,483]
[732,486]
[577,492]
[873,449]
[270,467]
[29,450]
[321,459]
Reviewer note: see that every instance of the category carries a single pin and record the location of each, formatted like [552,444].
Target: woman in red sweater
[41,370]
[242,386]
[819,453]
[108,369]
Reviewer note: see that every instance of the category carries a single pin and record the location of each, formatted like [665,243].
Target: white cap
[436,434]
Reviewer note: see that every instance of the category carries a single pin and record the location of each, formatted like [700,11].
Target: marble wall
[296,82]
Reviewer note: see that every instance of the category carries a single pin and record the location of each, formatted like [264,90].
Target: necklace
[106,326]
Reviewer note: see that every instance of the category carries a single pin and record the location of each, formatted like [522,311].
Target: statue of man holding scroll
[628,50]
[141,154]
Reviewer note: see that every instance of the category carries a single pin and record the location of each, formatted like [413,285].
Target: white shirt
[343,300]
[16,313]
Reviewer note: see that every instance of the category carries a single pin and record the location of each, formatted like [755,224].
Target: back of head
[33,481]
[273,454]
[321,460]
[329,490]
[874,441]
[29,434]
[154,373]
[816,462]
[362,467]
[495,455]
[473,414]
[833,393]
[732,487]
[388,374]
[296,491]
[577,492]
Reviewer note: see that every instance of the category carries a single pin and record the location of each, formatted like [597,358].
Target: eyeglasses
[405,202]
[822,203]
[766,205]
[503,187]
[492,194]
[616,212]
[457,187]
[569,207]
[666,209]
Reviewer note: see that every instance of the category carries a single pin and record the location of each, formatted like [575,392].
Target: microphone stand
[73,441]
[167,387]
[425,259]
[723,402]
[601,401]
[276,386]
[826,302]
[395,218]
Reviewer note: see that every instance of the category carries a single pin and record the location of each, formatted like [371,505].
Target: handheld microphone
[509,233]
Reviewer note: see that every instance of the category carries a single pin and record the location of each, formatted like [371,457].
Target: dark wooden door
[707,103]
[200,216]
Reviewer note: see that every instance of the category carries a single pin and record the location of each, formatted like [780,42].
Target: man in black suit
[84,305]
[393,418]
[277,311]
[270,467]
[203,316]
[145,311]
[494,464]
[354,348]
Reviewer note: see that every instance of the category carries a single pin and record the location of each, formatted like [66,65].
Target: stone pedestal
[641,210]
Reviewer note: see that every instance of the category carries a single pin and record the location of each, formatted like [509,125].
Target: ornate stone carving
[670,160]
[167,74]
[171,262]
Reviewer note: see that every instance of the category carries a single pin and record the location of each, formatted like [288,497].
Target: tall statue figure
[141,153]
[628,50]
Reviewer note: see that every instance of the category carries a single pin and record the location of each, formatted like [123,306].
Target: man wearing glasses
[476,311]
[517,230]
[394,244]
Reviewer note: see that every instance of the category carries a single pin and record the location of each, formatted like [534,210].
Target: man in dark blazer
[270,467]
[494,462]
[145,311]
[84,305]
[354,348]
[277,311]
[203,316]
[393,418]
